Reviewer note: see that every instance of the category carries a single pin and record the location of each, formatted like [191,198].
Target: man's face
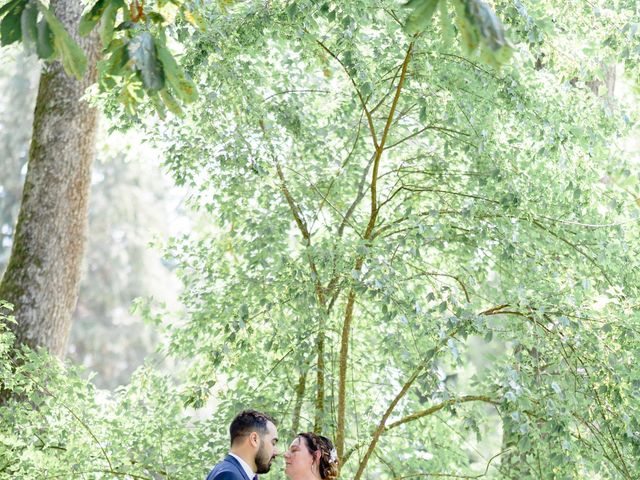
[268,449]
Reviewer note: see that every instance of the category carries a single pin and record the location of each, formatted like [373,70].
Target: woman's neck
[307,476]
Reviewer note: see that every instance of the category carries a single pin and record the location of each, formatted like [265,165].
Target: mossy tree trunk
[43,272]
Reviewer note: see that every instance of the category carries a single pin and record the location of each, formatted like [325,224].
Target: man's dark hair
[249,421]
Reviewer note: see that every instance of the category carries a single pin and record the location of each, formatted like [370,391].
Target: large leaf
[9,5]
[73,59]
[28,22]
[183,87]
[90,19]
[11,26]
[44,44]
[108,21]
[118,58]
[421,16]
[142,51]
[480,27]
[171,103]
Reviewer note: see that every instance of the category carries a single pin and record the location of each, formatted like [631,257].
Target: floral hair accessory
[333,456]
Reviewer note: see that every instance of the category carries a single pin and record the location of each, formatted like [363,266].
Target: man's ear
[254,439]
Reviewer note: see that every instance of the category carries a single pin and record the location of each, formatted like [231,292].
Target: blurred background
[133,207]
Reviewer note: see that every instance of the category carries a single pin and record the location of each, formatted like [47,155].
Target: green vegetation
[418,238]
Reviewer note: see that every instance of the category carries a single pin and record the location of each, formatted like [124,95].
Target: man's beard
[263,461]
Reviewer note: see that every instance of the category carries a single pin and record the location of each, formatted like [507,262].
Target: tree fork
[348,317]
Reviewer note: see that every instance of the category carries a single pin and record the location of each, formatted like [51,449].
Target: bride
[311,457]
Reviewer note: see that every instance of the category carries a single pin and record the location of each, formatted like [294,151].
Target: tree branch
[440,406]
[348,317]
[372,129]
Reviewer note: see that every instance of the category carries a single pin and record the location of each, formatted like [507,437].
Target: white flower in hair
[333,456]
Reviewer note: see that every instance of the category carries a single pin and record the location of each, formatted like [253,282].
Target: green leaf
[92,17]
[9,5]
[158,105]
[184,88]
[108,21]
[142,51]
[73,58]
[468,33]
[113,64]
[28,22]
[479,26]
[44,45]
[421,16]
[446,25]
[11,26]
[171,103]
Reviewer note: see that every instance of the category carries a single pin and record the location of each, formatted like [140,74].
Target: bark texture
[43,272]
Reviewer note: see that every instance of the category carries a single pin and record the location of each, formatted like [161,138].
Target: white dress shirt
[245,466]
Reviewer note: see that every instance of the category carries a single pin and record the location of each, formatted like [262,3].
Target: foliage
[59,426]
[476,22]
[380,211]
[138,62]
[133,39]
[369,225]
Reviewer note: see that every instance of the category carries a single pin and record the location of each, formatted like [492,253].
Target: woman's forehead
[297,442]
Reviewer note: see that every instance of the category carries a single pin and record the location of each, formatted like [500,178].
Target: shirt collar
[247,469]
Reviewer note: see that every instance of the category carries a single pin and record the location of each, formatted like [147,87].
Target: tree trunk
[43,272]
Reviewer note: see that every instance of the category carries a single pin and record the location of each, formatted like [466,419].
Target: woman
[311,457]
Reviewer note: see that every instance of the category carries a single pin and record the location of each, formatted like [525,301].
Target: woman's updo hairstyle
[328,460]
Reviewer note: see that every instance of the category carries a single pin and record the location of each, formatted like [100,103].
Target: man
[254,439]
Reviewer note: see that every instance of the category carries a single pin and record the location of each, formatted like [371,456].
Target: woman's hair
[328,460]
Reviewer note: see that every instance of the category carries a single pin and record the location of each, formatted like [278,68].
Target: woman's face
[298,460]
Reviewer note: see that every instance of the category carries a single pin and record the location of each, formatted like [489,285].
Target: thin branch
[440,406]
[380,149]
[307,90]
[424,129]
[345,162]
[576,248]
[451,475]
[358,199]
[372,129]
[297,215]
[448,275]
[295,210]
[405,388]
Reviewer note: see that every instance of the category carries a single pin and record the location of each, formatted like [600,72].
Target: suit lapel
[235,462]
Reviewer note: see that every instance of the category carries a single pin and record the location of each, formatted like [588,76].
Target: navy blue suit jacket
[228,469]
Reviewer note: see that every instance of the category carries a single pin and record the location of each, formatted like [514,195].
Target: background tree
[41,278]
[131,201]
[43,271]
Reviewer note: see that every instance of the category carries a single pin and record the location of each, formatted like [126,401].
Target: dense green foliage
[62,427]
[379,212]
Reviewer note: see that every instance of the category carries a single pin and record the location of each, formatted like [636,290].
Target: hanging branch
[372,129]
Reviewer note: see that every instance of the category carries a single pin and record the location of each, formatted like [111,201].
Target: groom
[253,447]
